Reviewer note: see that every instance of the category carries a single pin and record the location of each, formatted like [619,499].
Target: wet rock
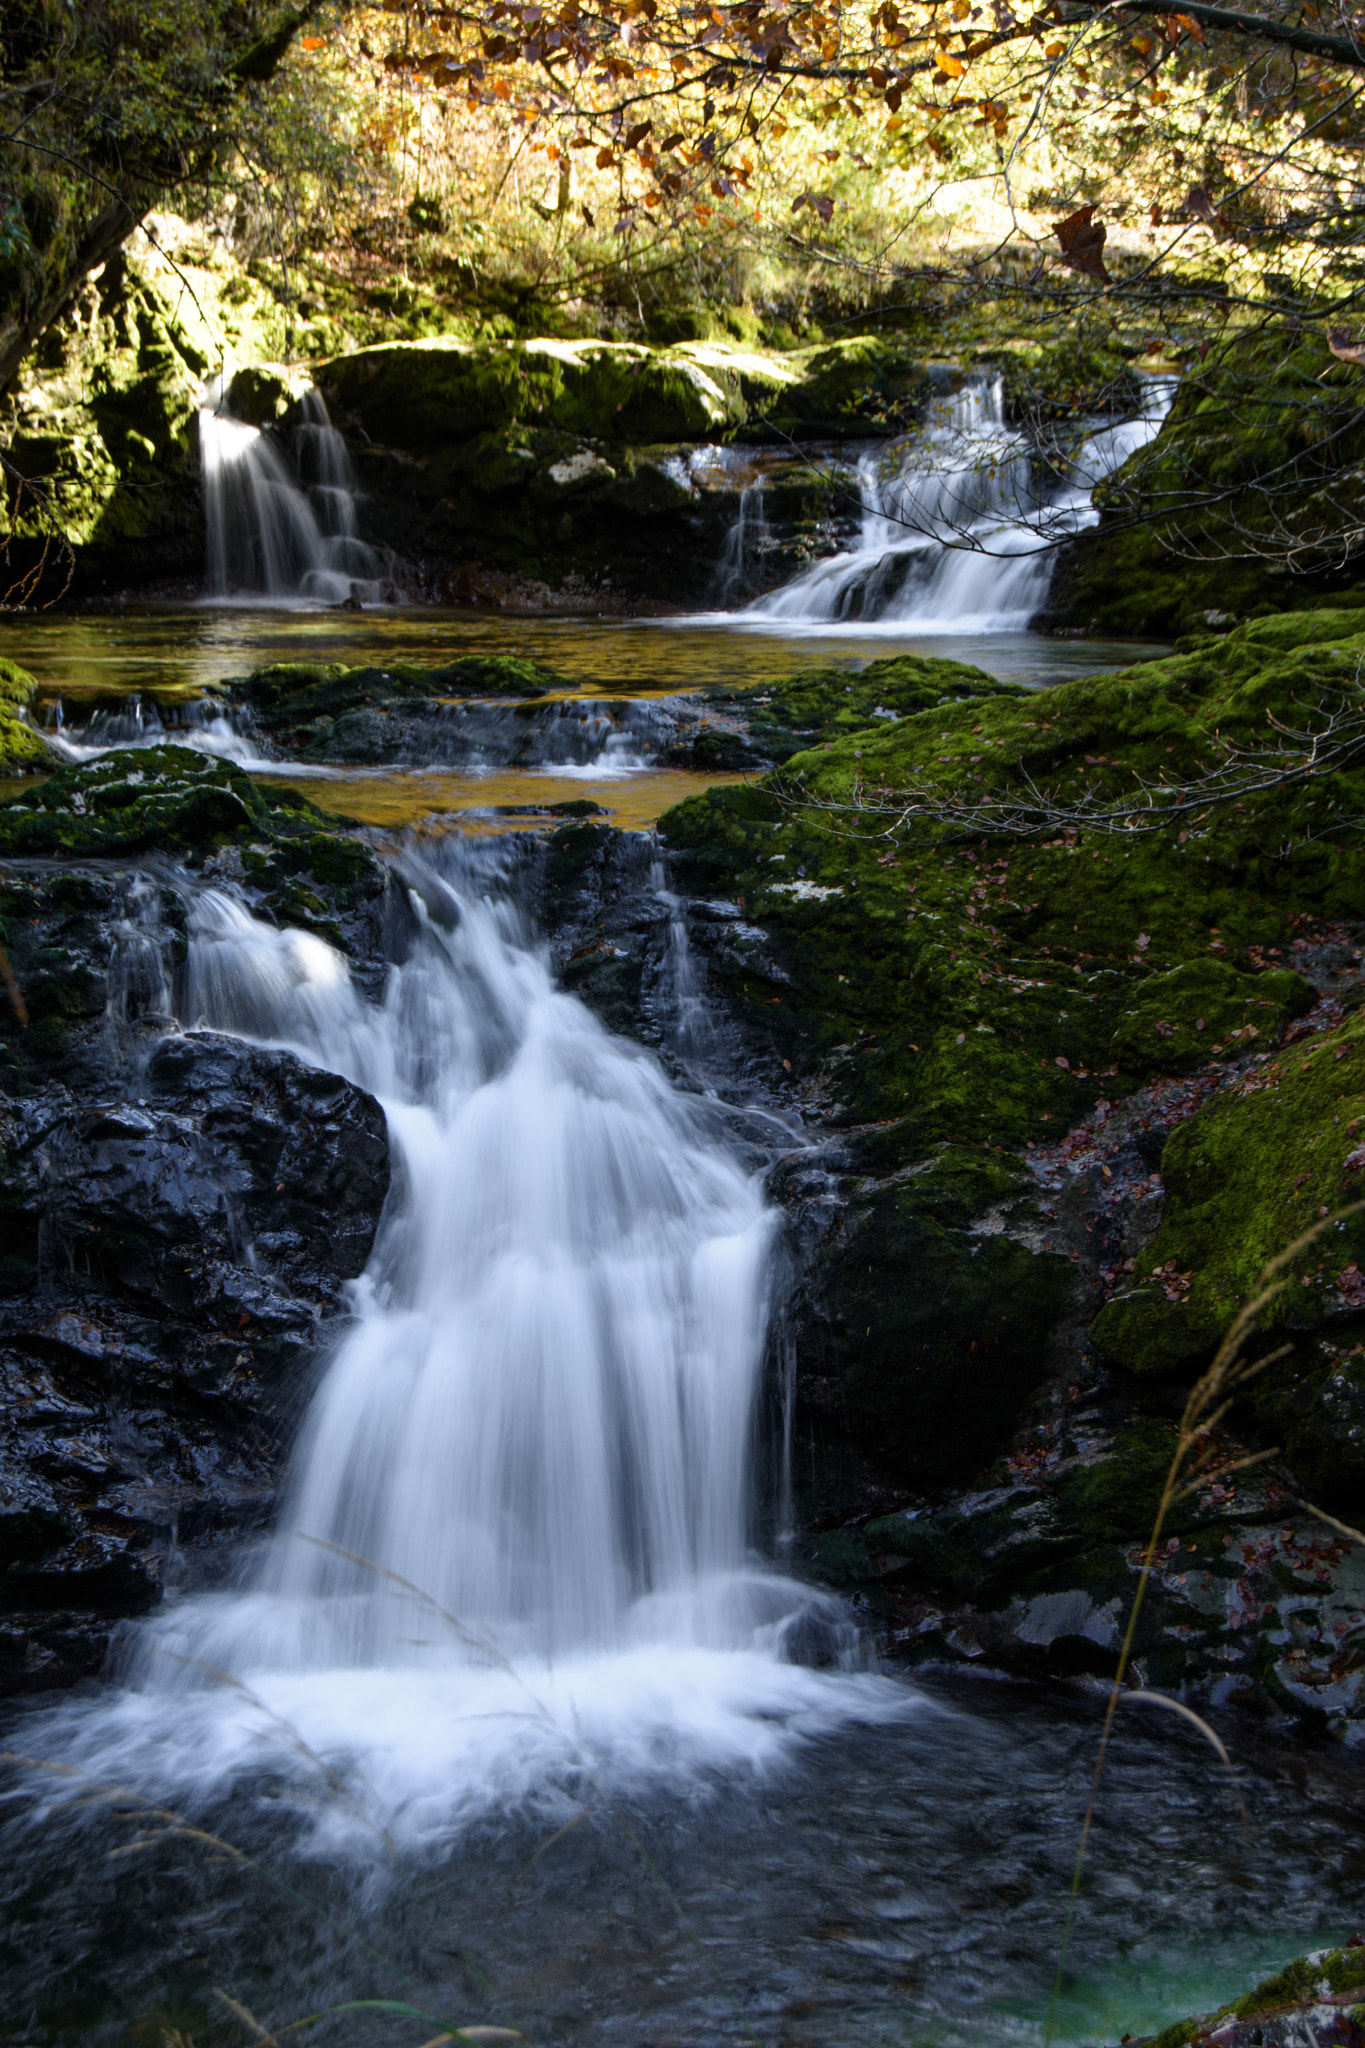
[106,415]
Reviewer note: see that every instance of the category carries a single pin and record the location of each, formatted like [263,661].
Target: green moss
[1181,1019]
[1115,1500]
[936,1329]
[16,686]
[1264,407]
[1340,1969]
[137,800]
[994,990]
[824,705]
[300,693]
[1243,1180]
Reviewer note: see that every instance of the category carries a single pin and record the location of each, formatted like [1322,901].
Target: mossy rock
[821,705]
[1272,404]
[1270,2011]
[295,693]
[139,800]
[414,393]
[1202,1008]
[21,749]
[1244,1179]
[993,990]
[936,1329]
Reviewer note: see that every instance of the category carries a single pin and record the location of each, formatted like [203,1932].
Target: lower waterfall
[516,1545]
[957,531]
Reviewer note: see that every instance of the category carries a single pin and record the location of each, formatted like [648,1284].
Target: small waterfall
[203,724]
[538,1431]
[741,556]
[957,530]
[271,532]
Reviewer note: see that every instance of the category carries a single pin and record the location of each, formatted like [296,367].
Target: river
[515,1721]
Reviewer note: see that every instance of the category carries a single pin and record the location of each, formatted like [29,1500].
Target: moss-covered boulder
[174,800]
[414,392]
[1252,475]
[933,1327]
[976,995]
[1269,1159]
[21,749]
[994,988]
[771,722]
[292,696]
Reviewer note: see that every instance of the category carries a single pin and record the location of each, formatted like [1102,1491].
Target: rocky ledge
[180,1211]
[1071,1084]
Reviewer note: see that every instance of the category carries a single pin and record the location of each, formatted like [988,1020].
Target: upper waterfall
[275,531]
[957,526]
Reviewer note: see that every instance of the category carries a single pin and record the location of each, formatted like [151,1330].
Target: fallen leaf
[952,65]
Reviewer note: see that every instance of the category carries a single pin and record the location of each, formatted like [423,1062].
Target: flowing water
[510,1718]
[276,527]
[143,676]
[514,1718]
[959,525]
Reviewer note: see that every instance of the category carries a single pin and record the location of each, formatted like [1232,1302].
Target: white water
[542,1418]
[206,727]
[272,534]
[957,535]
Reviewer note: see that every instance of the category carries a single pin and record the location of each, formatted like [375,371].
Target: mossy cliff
[1016,979]
[103,417]
[1276,1153]
[1244,503]
[999,1035]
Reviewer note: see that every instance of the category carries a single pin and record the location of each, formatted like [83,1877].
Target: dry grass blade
[560,1833]
[248,2019]
[175,1823]
[12,988]
[1208,1402]
[334,1782]
[1162,1699]
[1345,1529]
[466,1635]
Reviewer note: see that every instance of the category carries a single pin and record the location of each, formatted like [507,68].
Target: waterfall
[957,530]
[740,564]
[272,533]
[537,1430]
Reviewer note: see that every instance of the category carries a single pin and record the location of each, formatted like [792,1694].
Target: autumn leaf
[311,42]
[1082,238]
[952,65]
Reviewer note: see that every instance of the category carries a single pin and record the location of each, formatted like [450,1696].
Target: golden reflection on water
[447,799]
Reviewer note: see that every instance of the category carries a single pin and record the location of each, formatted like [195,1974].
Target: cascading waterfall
[956,533]
[537,1432]
[741,556]
[273,534]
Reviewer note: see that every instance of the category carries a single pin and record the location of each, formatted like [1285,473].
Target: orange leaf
[951,65]
[310,42]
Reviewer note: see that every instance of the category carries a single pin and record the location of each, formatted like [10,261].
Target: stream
[515,1720]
